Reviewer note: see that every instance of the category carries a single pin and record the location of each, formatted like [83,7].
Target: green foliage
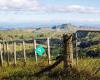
[15,34]
[82,53]
[20,34]
[55,51]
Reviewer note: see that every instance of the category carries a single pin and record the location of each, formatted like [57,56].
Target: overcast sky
[37,12]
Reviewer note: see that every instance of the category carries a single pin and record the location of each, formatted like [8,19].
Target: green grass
[84,70]
[90,65]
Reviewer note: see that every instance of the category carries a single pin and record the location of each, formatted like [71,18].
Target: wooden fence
[4,46]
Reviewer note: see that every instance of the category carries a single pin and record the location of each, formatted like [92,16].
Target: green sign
[40,50]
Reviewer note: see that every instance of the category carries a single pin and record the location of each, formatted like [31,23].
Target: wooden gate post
[1,56]
[68,52]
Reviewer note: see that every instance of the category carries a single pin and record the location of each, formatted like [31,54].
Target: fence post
[14,49]
[7,52]
[24,52]
[76,50]
[1,56]
[68,52]
[49,56]
[3,50]
[35,51]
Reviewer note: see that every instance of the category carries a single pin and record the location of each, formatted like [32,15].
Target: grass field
[87,69]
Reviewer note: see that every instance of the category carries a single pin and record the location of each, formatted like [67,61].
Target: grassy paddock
[87,69]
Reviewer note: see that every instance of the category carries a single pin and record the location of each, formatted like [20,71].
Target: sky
[27,13]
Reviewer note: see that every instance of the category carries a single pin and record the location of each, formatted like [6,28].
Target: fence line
[4,50]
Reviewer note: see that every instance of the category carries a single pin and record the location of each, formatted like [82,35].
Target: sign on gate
[40,50]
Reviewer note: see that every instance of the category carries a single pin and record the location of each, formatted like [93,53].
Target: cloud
[35,5]
[74,8]
[19,5]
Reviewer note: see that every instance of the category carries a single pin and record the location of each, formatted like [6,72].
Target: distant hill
[28,32]
[63,28]
[6,28]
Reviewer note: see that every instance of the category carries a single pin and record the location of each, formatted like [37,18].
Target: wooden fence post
[68,52]
[76,51]
[24,52]
[49,56]
[3,48]
[14,49]
[7,52]
[1,56]
[35,51]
